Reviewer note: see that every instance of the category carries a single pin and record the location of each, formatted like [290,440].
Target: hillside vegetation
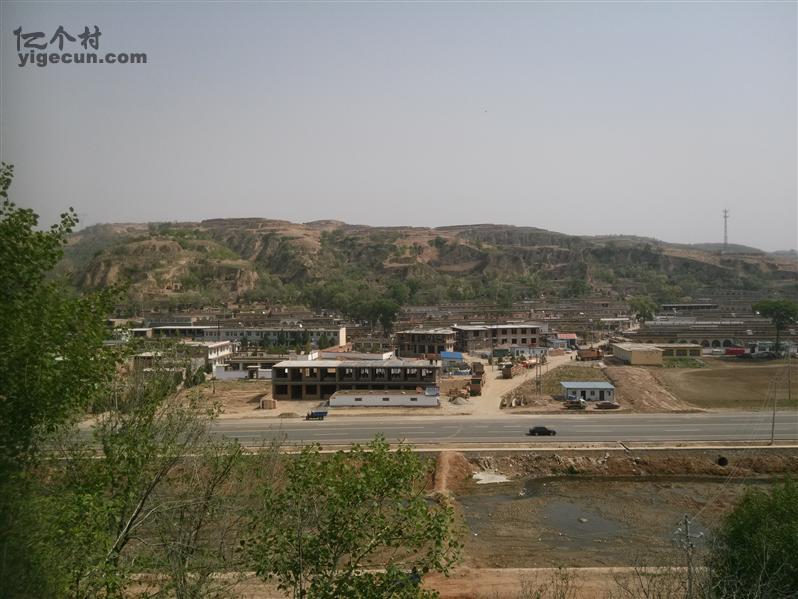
[335,265]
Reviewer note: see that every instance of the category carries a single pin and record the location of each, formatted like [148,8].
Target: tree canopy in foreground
[353,524]
[755,555]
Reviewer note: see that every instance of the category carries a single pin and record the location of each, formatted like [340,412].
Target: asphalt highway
[715,427]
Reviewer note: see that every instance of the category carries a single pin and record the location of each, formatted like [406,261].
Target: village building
[213,352]
[428,398]
[680,350]
[638,354]
[425,342]
[716,333]
[588,390]
[319,379]
[287,336]
[472,338]
[562,341]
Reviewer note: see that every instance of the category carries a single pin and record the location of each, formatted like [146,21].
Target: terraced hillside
[333,264]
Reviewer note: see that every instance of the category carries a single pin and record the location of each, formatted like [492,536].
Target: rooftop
[438,331]
[382,393]
[487,327]
[390,363]
[650,347]
[678,345]
[586,385]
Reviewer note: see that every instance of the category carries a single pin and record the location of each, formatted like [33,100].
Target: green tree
[643,307]
[324,342]
[386,311]
[576,287]
[52,366]
[147,491]
[52,358]
[781,313]
[353,524]
[755,554]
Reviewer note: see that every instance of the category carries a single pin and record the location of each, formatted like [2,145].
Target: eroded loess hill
[334,264]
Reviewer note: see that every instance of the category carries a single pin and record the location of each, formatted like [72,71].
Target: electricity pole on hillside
[725,230]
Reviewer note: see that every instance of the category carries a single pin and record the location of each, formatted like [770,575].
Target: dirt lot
[730,384]
[595,510]
[581,522]
[720,383]
[637,390]
[238,398]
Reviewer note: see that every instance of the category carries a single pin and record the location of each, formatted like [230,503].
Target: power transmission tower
[725,230]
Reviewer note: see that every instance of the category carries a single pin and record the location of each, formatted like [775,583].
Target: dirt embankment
[739,463]
[452,472]
[638,390]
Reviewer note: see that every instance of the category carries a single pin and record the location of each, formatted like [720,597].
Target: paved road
[726,426]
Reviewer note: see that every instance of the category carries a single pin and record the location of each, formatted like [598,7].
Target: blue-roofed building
[451,360]
[588,390]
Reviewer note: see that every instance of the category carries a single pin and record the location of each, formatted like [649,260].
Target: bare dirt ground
[452,472]
[578,522]
[636,389]
[578,509]
[741,463]
[483,583]
[583,509]
[730,384]
[238,397]
[639,390]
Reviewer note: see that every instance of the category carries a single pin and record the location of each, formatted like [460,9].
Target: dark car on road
[541,431]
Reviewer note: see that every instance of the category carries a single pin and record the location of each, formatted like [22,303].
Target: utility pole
[687,544]
[789,397]
[689,550]
[725,230]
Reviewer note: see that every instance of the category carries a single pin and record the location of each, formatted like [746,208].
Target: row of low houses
[470,338]
[289,335]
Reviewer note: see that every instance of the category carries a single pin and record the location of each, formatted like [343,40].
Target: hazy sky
[585,118]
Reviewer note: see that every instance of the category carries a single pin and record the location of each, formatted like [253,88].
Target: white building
[588,390]
[406,399]
[216,352]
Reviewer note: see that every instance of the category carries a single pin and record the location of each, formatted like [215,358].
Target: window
[386,399]
[358,399]
[414,399]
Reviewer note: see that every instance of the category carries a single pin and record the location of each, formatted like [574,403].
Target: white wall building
[366,398]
